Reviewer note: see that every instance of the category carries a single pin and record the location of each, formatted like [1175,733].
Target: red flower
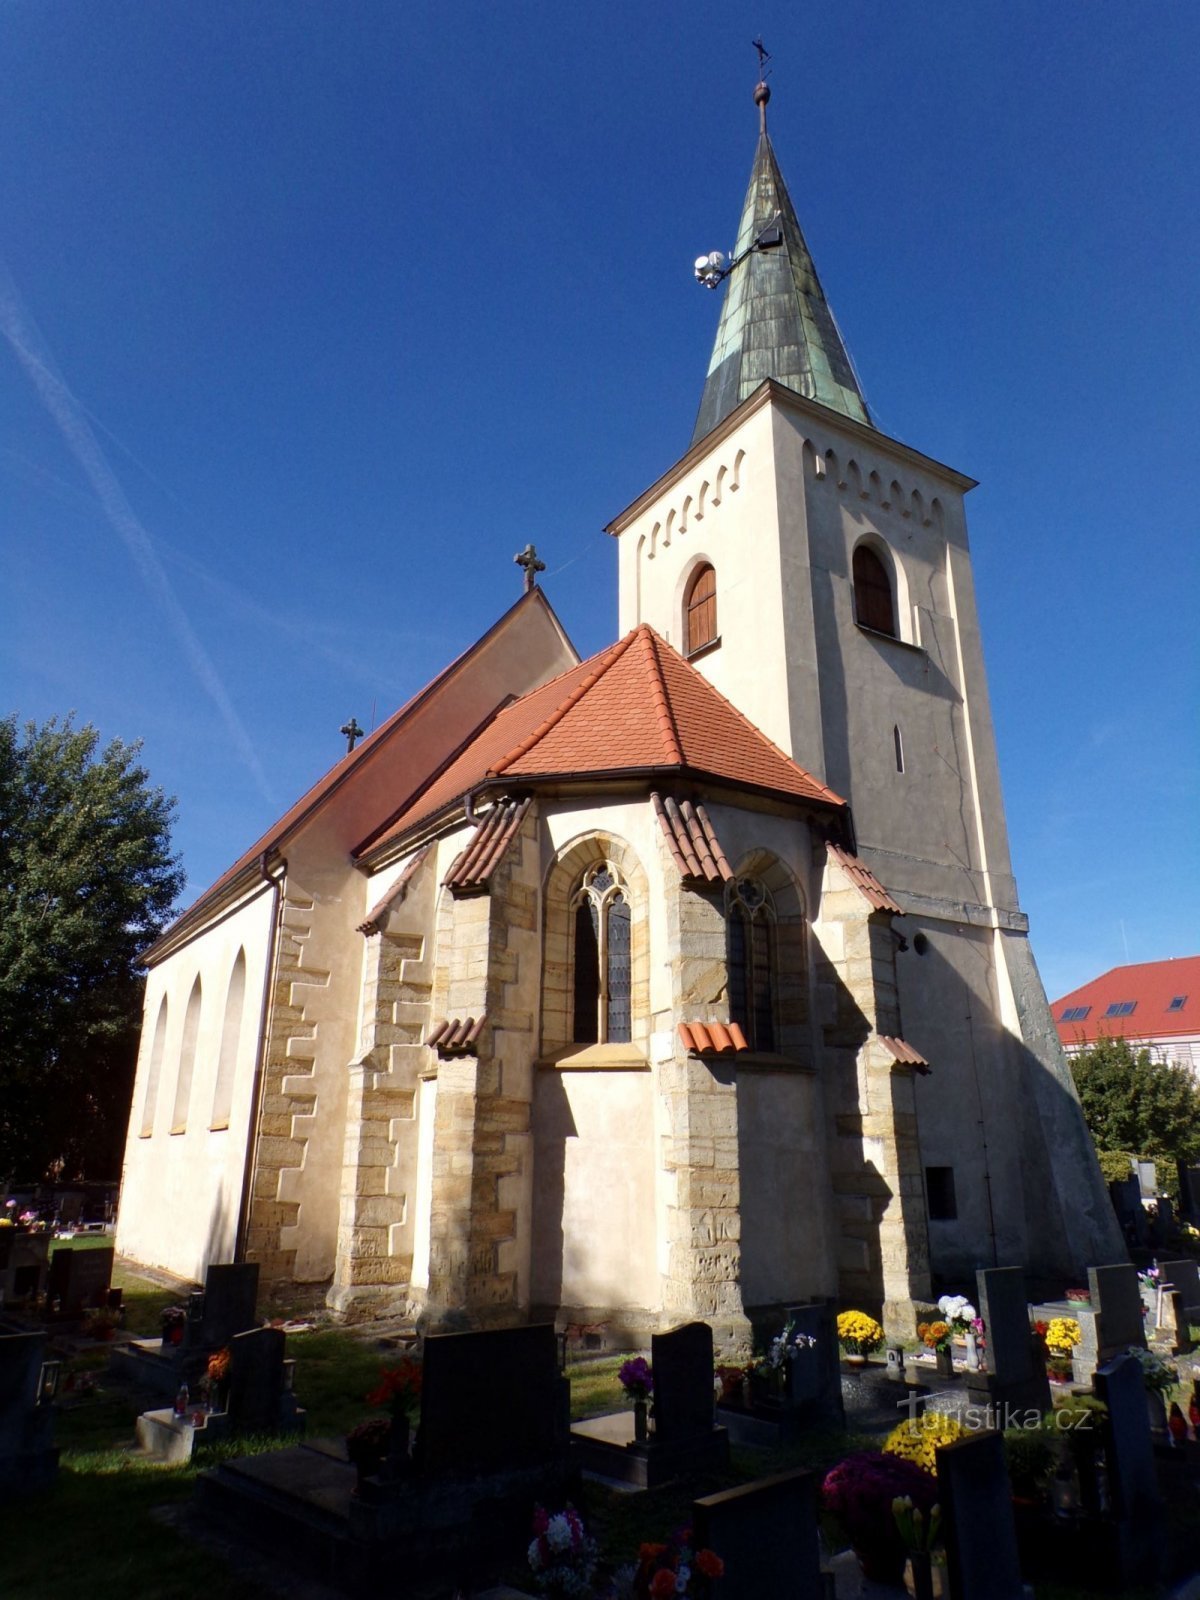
[662,1584]
[709,1563]
[650,1552]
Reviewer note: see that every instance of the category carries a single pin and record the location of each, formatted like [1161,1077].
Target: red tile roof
[636,707]
[456,1036]
[712,1038]
[377,915]
[903,1054]
[275,836]
[692,839]
[1151,985]
[471,868]
[863,879]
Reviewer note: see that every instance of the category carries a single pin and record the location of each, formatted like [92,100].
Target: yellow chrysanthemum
[919,1438]
[859,1332]
[1062,1336]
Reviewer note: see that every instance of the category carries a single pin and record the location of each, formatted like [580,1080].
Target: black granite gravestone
[980,1535]
[1189,1191]
[1016,1374]
[28,1459]
[1117,1303]
[78,1279]
[256,1379]
[492,1402]
[765,1532]
[683,1381]
[230,1303]
[1137,1507]
[814,1373]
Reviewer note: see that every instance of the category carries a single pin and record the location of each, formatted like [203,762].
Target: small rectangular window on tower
[939,1193]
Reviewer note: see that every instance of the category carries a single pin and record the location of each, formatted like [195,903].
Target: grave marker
[1016,1375]
[79,1279]
[981,1537]
[229,1304]
[492,1402]
[683,1381]
[814,1375]
[1137,1507]
[28,1459]
[766,1534]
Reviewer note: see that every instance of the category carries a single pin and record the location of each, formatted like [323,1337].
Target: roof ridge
[664,710]
[753,726]
[605,661]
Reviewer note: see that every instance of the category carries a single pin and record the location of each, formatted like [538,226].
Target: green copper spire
[776,322]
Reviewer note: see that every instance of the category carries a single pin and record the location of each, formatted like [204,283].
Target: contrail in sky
[19,329]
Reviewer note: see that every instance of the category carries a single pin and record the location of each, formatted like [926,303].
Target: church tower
[818,573]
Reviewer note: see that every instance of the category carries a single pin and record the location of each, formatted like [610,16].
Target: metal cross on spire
[528,559]
[352,733]
[762,91]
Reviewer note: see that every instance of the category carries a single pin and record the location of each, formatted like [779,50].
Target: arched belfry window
[873,604]
[751,935]
[601,920]
[700,609]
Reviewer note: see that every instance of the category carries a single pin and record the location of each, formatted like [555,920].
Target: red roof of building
[247,863]
[1163,998]
[636,707]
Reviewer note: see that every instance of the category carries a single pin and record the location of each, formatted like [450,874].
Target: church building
[685,981]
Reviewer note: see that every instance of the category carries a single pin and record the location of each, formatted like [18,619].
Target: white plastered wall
[181,1192]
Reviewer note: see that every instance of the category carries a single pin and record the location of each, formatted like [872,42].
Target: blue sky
[316,313]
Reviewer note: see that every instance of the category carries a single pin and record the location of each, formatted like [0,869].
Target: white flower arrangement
[958,1312]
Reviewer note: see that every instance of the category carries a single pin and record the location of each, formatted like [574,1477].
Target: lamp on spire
[712,270]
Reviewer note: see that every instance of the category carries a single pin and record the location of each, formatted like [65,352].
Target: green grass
[594,1386]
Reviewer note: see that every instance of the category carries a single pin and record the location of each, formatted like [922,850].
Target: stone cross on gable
[352,732]
[528,559]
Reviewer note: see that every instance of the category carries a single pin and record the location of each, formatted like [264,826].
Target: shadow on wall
[548,1247]
[218,1244]
[1003,1119]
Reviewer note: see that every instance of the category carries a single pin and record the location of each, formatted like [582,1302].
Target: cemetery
[208,1437]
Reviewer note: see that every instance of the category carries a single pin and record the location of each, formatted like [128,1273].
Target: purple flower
[637,1378]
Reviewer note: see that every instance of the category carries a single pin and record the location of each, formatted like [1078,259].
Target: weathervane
[528,559]
[712,270]
[352,733]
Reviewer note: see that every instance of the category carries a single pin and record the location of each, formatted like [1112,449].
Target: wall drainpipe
[248,1172]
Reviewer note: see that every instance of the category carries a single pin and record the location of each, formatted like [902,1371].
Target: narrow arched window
[231,1032]
[187,1061]
[899,744]
[700,609]
[154,1070]
[873,607]
[751,960]
[602,952]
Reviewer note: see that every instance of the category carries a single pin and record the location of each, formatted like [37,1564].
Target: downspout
[256,1092]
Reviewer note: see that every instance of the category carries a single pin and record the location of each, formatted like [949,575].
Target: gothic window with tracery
[873,606]
[602,958]
[700,609]
[751,935]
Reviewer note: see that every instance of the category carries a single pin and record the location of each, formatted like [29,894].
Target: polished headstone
[814,1375]
[230,1302]
[1134,1494]
[256,1379]
[492,1402]
[1117,1303]
[766,1534]
[79,1279]
[683,1381]
[980,1535]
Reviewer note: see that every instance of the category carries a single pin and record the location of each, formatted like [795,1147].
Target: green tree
[87,880]
[1133,1102]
